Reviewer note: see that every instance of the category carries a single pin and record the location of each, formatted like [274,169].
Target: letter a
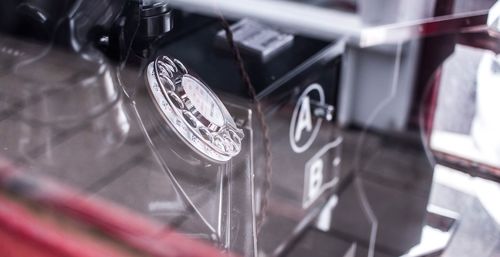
[304,120]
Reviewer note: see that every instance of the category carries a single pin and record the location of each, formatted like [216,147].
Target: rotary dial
[192,110]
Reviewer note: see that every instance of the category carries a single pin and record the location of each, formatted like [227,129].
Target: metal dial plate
[202,101]
[192,110]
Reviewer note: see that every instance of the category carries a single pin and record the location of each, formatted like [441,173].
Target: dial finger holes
[219,143]
[235,137]
[180,66]
[206,134]
[170,63]
[167,83]
[230,144]
[176,100]
[189,117]
[165,70]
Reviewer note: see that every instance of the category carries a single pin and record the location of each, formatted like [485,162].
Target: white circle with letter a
[305,126]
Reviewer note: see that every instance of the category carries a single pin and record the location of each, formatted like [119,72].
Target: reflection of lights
[11,51]
[156,206]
